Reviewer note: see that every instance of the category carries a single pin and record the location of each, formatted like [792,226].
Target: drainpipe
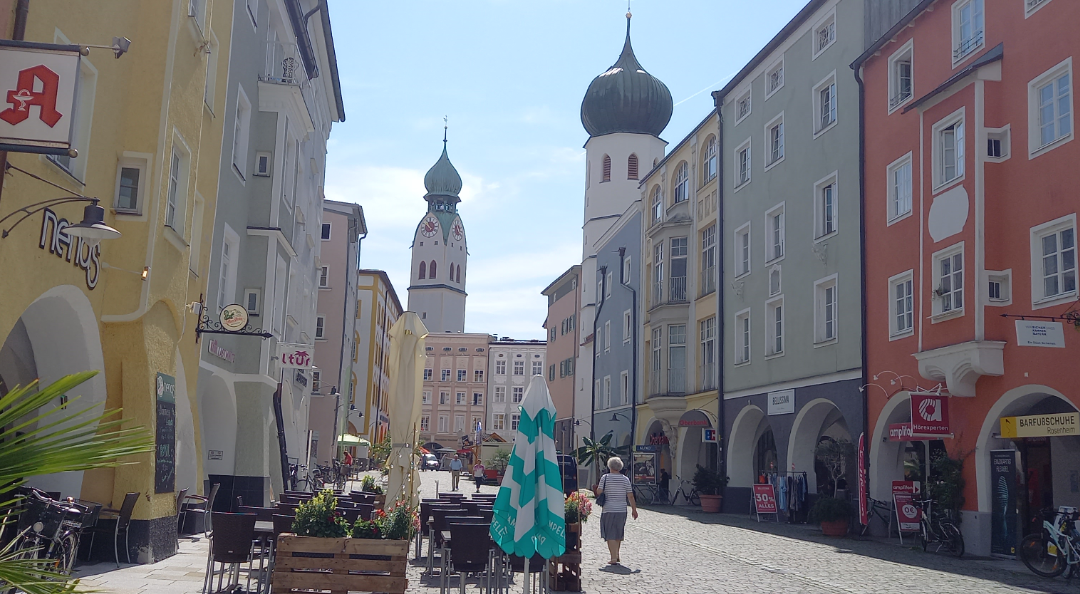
[718,103]
[634,351]
[862,256]
[596,317]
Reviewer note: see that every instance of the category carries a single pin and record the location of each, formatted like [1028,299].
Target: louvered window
[631,167]
[607,169]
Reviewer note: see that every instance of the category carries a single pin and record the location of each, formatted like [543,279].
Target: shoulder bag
[601,499]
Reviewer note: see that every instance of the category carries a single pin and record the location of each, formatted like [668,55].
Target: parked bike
[939,529]
[1055,548]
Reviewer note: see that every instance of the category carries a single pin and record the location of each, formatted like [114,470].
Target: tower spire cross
[446,125]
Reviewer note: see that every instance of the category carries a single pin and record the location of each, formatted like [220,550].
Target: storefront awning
[348,440]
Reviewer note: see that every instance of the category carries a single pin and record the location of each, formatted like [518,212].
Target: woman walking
[618,493]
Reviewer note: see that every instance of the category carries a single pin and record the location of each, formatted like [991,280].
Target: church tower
[440,253]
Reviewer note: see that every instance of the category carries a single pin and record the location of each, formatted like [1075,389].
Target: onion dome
[625,98]
[442,179]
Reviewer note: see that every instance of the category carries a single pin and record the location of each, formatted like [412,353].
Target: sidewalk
[180,574]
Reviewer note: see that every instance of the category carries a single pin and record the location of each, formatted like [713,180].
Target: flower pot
[835,528]
[711,503]
[340,564]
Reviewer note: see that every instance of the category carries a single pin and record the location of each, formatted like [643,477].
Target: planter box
[340,565]
[711,503]
[835,528]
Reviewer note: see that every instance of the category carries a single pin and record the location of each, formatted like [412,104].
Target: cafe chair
[208,506]
[123,521]
[231,544]
[469,553]
[179,515]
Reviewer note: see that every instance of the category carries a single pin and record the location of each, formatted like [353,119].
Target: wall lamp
[91,230]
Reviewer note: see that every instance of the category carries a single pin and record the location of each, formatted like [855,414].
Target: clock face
[458,231]
[429,226]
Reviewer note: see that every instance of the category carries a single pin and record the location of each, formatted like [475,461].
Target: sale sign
[930,414]
[764,499]
[908,515]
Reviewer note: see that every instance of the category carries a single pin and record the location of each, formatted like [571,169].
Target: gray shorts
[612,526]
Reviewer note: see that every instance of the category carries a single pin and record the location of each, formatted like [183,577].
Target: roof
[389,285]
[443,178]
[332,59]
[887,37]
[350,209]
[575,270]
[678,146]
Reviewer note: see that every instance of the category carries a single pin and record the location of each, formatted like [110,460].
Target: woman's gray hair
[615,464]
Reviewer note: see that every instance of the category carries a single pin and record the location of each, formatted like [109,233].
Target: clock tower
[440,253]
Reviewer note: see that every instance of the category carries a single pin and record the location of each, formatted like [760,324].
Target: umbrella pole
[526,577]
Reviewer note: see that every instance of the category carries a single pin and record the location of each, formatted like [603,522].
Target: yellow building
[148,134]
[377,308]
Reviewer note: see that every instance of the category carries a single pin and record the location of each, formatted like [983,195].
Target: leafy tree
[946,484]
[380,451]
[836,455]
[595,452]
[38,440]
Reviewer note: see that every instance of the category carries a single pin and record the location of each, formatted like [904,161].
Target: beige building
[455,388]
[377,308]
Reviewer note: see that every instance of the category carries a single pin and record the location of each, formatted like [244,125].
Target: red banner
[864,513]
[908,514]
[764,499]
[930,414]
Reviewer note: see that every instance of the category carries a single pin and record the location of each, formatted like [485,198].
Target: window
[742,337]
[825,310]
[774,141]
[707,334]
[1050,108]
[607,336]
[478,376]
[423,270]
[196,11]
[677,291]
[626,270]
[899,191]
[658,272]
[326,231]
[624,388]
[427,375]
[316,381]
[551,372]
[708,160]
[742,107]
[824,34]
[825,207]
[774,78]
[901,305]
[682,183]
[596,342]
[742,164]
[606,176]
[263,163]
[462,375]
[427,397]
[425,421]
[774,331]
[174,206]
[626,325]
[654,362]
[241,134]
[227,268]
[444,422]
[677,358]
[708,260]
[498,422]
[444,397]
[1054,261]
[320,327]
[657,204]
[632,167]
[500,394]
[774,280]
[253,301]
[431,270]
[445,375]
[514,420]
[949,149]
[607,392]
[742,250]
[459,398]
[949,276]
[1033,6]
[900,87]
[610,279]
[998,144]
[518,393]
[967,34]
[825,104]
[324,277]
[775,233]
[999,287]
[500,368]
[537,368]
[130,185]
[519,368]
[554,334]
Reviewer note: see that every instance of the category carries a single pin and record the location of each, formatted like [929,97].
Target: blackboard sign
[165,452]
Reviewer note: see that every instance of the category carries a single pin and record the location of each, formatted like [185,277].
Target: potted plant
[500,459]
[709,483]
[595,453]
[577,509]
[368,484]
[834,515]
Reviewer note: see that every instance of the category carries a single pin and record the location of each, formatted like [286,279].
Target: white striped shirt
[615,487]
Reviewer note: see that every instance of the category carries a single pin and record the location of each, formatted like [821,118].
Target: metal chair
[230,545]
[435,537]
[179,508]
[123,521]
[537,567]
[208,507]
[465,554]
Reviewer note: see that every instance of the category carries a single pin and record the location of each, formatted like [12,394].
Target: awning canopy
[347,440]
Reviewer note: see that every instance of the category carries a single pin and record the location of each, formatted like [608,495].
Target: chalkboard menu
[165,452]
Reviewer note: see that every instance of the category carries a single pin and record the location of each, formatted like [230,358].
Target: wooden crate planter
[340,565]
[564,573]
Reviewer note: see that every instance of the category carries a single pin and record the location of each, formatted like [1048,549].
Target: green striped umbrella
[529,510]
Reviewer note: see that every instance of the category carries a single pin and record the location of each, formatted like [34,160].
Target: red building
[970,199]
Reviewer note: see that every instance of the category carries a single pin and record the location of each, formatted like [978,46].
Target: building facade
[265,248]
[511,365]
[377,309]
[970,225]
[455,388]
[564,300]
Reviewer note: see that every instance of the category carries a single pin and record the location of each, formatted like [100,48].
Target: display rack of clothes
[790,488]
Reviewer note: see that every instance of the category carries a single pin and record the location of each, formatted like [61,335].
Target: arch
[742,444]
[218,422]
[431,270]
[423,270]
[55,336]
[708,160]
[885,455]
[657,203]
[815,419]
[681,189]
[606,171]
[657,426]
[632,166]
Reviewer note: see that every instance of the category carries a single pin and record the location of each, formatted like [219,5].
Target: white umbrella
[406,383]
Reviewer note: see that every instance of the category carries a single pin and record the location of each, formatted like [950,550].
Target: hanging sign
[1040,334]
[764,500]
[930,414]
[1055,425]
[233,317]
[38,90]
[782,402]
[1003,502]
[909,487]
[908,515]
[165,437]
[294,355]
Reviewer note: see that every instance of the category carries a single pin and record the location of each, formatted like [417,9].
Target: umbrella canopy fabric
[529,509]
[407,338]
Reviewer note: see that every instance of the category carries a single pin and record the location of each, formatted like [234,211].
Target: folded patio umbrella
[407,338]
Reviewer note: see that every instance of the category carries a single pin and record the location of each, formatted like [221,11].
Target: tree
[36,441]
[595,452]
[835,455]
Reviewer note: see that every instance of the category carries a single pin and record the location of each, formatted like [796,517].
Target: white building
[511,365]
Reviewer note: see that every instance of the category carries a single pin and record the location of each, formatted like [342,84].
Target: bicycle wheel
[64,552]
[954,539]
[693,498]
[922,537]
[303,485]
[1041,556]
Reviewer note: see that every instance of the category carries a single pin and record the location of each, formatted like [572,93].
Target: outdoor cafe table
[264,531]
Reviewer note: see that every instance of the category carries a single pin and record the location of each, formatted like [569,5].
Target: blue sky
[510,75]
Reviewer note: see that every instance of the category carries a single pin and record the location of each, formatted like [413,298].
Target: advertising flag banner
[930,414]
[864,513]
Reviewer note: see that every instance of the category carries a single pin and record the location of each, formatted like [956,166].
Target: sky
[510,76]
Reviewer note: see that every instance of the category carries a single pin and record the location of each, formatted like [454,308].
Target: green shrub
[366,529]
[400,523]
[369,485]
[830,509]
[708,481]
[319,517]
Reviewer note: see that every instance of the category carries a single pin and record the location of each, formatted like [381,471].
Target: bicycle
[877,509]
[938,529]
[690,497]
[49,530]
[647,494]
[1055,548]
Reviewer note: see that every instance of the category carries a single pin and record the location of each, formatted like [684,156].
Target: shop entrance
[1037,461]
[656,437]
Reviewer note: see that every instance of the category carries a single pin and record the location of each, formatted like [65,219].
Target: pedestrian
[664,483]
[455,471]
[478,474]
[616,488]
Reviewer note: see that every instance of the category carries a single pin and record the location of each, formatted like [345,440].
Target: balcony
[284,65]
[677,289]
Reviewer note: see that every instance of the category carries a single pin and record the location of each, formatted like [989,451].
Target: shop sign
[908,514]
[764,499]
[708,436]
[294,355]
[215,454]
[38,90]
[233,317]
[694,423]
[67,248]
[645,448]
[909,487]
[782,402]
[900,432]
[930,414]
[165,436]
[1055,425]
[1040,334]
[214,349]
[1003,504]
[644,468]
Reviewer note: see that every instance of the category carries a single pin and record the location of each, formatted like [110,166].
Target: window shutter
[607,168]
[632,167]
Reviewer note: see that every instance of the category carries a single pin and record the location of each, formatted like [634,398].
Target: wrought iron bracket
[1071,317]
[207,325]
